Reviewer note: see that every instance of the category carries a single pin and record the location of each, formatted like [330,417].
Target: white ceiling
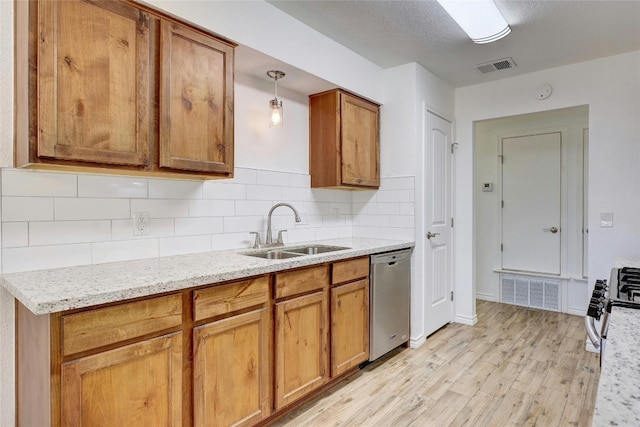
[545,34]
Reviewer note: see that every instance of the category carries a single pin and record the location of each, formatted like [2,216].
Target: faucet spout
[295,212]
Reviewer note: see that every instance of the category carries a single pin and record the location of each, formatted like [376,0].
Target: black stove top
[622,289]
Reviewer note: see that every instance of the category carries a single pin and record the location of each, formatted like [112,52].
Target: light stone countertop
[54,290]
[618,400]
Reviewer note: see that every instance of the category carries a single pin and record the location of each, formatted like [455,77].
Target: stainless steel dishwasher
[390,301]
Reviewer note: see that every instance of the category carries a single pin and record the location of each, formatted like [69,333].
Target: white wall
[263,27]
[611,89]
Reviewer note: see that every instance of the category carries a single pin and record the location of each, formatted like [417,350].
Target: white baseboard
[486,297]
[576,311]
[465,320]
[417,342]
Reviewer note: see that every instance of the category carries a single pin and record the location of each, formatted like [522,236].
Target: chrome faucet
[269,238]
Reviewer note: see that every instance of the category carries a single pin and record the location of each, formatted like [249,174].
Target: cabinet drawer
[301,281]
[353,269]
[104,326]
[223,299]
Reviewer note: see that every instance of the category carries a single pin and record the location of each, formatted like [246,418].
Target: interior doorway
[558,137]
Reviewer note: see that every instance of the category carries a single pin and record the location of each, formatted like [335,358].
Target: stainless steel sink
[273,254]
[283,253]
[316,249]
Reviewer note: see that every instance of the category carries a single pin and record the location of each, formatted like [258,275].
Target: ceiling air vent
[496,65]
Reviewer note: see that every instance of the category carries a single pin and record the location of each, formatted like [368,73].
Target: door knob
[430,235]
[554,230]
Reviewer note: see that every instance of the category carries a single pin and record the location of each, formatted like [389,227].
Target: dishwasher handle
[391,258]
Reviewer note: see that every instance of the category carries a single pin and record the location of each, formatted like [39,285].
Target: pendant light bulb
[275,105]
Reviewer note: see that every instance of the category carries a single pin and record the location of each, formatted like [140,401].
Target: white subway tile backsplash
[185,245]
[322,195]
[335,232]
[89,208]
[27,209]
[220,242]
[383,209]
[244,223]
[366,232]
[395,196]
[397,233]
[398,183]
[407,208]
[69,219]
[122,229]
[124,250]
[264,192]
[224,191]
[15,234]
[41,257]
[206,208]
[374,220]
[175,189]
[316,208]
[291,194]
[253,207]
[160,208]
[20,182]
[363,196]
[403,221]
[301,235]
[66,232]
[110,186]
[194,226]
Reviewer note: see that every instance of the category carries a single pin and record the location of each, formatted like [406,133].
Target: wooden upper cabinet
[120,86]
[196,101]
[344,141]
[93,82]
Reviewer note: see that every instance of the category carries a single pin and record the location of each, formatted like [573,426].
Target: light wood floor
[516,367]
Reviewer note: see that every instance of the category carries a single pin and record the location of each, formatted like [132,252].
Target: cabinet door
[360,146]
[349,326]
[196,101]
[301,346]
[136,385]
[93,82]
[231,370]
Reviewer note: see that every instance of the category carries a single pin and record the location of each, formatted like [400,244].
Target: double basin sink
[284,252]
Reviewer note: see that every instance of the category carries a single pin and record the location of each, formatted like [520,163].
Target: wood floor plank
[517,366]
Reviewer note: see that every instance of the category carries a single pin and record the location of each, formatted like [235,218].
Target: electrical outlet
[140,223]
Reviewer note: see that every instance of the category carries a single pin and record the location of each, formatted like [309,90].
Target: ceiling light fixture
[275,105]
[480,19]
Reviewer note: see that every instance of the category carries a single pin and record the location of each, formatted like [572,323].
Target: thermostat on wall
[487,187]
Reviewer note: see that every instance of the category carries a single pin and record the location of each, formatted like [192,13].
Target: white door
[437,262]
[531,202]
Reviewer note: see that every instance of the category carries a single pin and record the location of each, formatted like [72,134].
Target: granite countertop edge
[55,290]
[618,398]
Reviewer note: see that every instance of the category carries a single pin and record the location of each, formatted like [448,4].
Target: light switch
[606,219]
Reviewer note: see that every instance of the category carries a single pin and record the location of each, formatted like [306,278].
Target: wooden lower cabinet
[135,385]
[349,326]
[231,354]
[231,370]
[301,352]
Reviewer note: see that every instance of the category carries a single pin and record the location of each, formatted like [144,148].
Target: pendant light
[275,105]
[480,19]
